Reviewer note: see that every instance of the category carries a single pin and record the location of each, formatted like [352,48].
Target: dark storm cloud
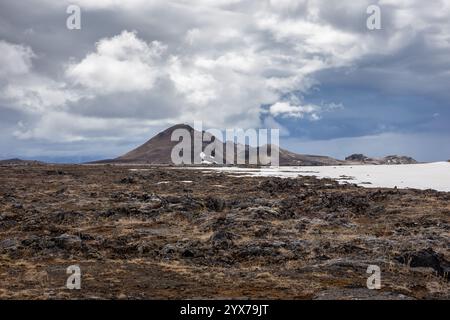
[220,62]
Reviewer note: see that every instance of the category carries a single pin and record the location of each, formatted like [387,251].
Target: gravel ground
[177,234]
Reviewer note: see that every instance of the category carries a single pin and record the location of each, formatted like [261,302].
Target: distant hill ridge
[158,150]
[18,162]
[392,159]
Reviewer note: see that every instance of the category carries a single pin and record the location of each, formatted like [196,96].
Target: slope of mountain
[158,150]
[288,158]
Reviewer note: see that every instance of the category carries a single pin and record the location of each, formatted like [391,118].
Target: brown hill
[158,150]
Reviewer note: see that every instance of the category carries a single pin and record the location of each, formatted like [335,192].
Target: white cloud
[36,94]
[122,63]
[15,59]
[60,126]
[200,88]
[24,90]
[287,110]
[217,61]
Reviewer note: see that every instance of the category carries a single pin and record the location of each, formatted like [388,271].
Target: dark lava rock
[262,212]
[61,191]
[222,239]
[298,245]
[17,205]
[7,221]
[359,294]
[221,222]
[9,244]
[148,209]
[168,250]
[301,226]
[262,232]
[66,241]
[334,201]
[394,159]
[55,172]
[336,204]
[215,204]
[426,259]
[357,157]
[275,185]
[128,180]
[184,203]
[188,253]
[124,210]
[253,250]
[70,216]
[152,204]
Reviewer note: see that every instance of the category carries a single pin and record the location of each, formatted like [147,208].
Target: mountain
[19,162]
[288,158]
[358,158]
[158,150]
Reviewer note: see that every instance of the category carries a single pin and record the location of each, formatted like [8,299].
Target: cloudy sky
[309,67]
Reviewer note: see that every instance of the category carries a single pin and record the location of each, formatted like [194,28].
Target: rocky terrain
[164,233]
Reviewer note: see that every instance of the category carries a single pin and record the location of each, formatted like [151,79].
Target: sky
[311,68]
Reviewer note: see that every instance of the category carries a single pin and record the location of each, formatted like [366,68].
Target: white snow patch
[416,176]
